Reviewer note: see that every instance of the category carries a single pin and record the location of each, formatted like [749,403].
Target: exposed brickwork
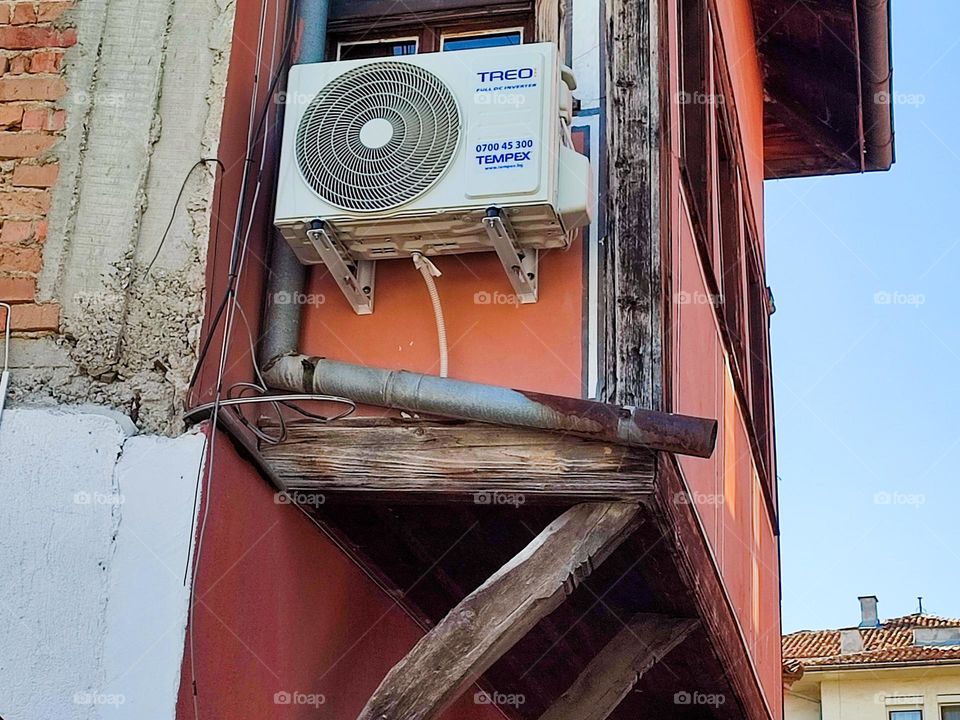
[33,39]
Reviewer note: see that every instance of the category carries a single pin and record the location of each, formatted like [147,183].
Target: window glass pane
[950,712]
[377,49]
[906,715]
[485,40]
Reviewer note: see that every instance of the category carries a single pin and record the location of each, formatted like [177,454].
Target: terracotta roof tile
[892,642]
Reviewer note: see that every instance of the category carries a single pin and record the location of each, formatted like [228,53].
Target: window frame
[695,131]
[948,706]
[445,34]
[714,121]
[379,41]
[903,711]
[429,32]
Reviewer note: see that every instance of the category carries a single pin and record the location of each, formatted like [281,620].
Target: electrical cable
[429,271]
[176,204]
[253,140]
[230,294]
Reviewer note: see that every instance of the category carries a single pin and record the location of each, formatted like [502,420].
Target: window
[950,712]
[363,49]
[693,100]
[406,34]
[758,309]
[731,268]
[490,38]
[906,715]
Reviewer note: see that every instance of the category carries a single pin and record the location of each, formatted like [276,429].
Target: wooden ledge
[418,460]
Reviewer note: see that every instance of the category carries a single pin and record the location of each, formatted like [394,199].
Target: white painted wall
[94,538]
[870,694]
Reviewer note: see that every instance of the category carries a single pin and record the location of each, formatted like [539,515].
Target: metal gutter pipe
[432,395]
[876,73]
[287,276]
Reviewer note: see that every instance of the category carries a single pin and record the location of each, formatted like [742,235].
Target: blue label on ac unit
[511,154]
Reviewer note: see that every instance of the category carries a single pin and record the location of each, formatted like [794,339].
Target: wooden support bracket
[495,616]
[603,684]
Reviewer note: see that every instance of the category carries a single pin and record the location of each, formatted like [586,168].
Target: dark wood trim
[409,460]
[346,13]
[428,29]
[607,679]
[699,572]
[495,616]
[633,285]
[742,393]
[827,141]
[703,233]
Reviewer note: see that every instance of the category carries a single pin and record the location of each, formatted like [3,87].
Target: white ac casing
[510,113]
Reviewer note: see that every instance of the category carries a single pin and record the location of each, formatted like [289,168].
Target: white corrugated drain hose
[429,271]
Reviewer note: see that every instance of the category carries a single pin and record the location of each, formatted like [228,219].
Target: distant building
[907,668]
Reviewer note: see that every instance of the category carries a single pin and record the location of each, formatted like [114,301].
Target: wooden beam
[632,282]
[495,616]
[598,690]
[822,138]
[453,461]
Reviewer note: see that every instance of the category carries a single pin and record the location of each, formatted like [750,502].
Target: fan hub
[376,133]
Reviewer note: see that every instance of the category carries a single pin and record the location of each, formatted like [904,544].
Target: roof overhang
[828,94]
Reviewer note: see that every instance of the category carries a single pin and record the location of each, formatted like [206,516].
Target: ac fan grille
[346,172]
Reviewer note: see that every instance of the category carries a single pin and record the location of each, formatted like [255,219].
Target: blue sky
[866,346]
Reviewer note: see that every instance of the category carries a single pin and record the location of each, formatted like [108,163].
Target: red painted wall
[280,610]
[264,561]
[726,488]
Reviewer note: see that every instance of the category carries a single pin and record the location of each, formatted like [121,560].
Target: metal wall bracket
[354,276]
[520,264]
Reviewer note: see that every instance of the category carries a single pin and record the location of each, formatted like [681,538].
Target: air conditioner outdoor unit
[439,153]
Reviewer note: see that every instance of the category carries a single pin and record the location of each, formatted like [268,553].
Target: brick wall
[32,42]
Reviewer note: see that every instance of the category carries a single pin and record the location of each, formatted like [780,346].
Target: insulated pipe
[431,395]
[287,276]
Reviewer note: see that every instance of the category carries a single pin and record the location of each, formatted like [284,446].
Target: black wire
[230,290]
[176,204]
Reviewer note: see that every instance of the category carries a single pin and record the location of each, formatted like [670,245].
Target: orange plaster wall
[491,338]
